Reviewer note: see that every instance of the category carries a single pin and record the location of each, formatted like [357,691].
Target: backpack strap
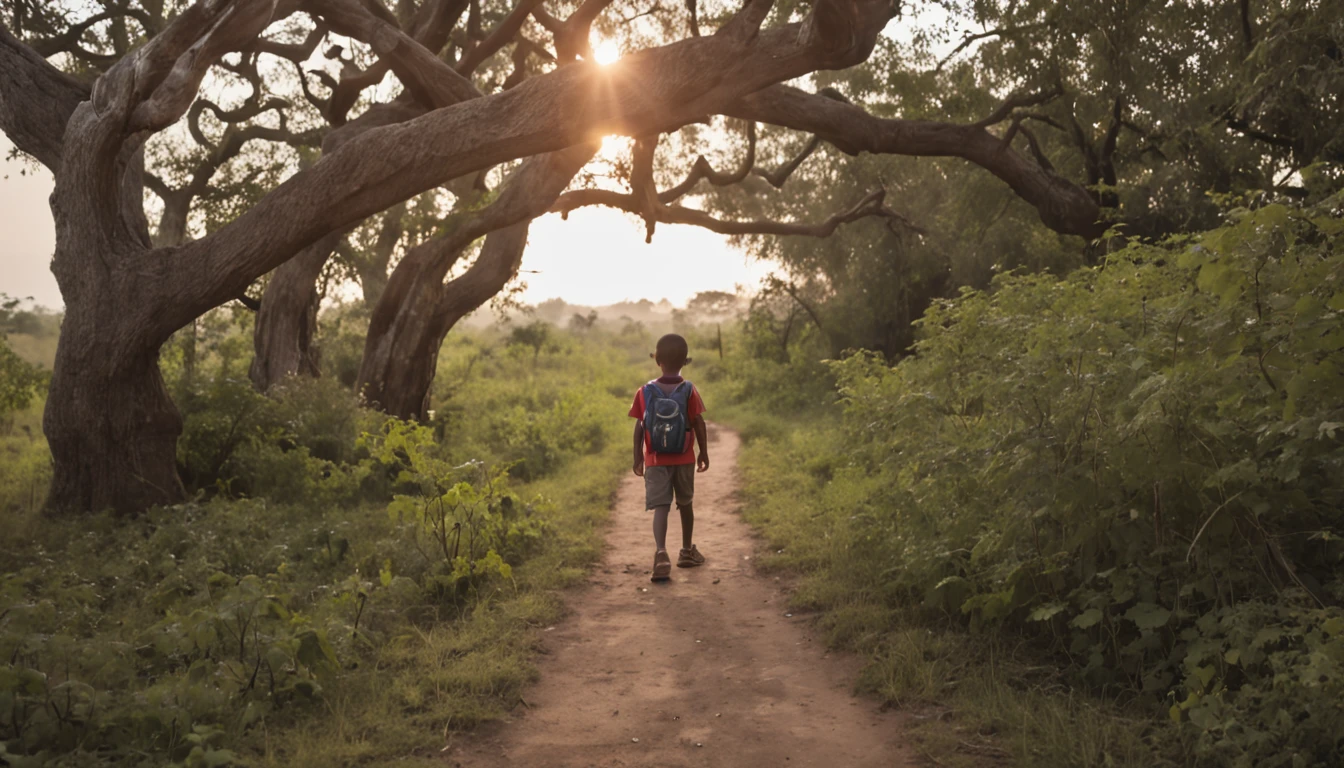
[651,395]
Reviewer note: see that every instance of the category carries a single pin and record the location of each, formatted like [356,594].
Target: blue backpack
[666,418]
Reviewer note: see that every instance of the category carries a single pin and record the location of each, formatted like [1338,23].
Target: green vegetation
[343,588]
[1135,467]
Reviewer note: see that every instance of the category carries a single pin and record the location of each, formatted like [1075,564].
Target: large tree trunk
[402,346]
[401,353]
[109,421]
[287,320]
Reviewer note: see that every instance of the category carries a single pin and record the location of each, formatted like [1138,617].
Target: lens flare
[606,52]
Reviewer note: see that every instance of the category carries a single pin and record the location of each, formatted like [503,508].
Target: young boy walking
[668,412]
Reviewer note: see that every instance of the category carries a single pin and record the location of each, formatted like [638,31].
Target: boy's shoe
[662,566]
[689,558]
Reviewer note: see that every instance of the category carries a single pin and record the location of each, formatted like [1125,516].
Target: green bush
[20,384]
[298,443]
[1139,464]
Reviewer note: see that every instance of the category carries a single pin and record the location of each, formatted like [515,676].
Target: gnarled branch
[429,79]
[871,205]
[701,169]
[1063,205]
[36,100]
[777,177]
[499,37]
[970,39]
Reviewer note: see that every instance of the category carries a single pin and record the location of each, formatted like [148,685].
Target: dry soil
[708,669]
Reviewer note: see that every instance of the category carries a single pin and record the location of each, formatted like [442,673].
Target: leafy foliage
[20,383]
[1138,465]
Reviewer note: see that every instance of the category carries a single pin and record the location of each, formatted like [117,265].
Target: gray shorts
[661,483]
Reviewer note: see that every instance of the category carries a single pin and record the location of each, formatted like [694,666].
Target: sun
[606,52]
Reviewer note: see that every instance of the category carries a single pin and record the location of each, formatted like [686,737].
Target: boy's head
[671,353]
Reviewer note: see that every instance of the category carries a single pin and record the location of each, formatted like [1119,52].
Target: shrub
[1139,464]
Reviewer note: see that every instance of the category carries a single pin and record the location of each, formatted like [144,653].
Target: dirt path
[704,670]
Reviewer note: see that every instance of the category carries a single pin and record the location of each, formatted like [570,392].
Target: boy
[673,407]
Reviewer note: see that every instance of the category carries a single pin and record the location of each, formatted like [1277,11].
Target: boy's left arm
[702,441]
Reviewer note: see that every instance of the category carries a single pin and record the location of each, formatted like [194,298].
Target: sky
[597,257]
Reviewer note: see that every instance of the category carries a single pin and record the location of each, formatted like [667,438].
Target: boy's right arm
[639,448]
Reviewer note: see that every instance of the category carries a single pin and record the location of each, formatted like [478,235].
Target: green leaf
[1046,612]
[1205,675]
[314,650]
[1148,615]
[1089,618]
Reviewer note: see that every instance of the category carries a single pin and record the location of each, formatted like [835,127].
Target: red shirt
[694,407]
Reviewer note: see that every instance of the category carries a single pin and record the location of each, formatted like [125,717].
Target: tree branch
[701,169]
[793,293]
[1063,205]
[499,37]
[969,39]
[527,194]
[1245,128]
[36,100]
[777,177]
[870,205]
[1005,110]
[642,188]
[746,23]
[571,36]
[427,77]
[163,78]
[68,40]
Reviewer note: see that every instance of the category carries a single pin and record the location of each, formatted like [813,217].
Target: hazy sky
[597,257]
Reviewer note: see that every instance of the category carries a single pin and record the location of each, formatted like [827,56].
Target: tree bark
[287,321]
[109,420]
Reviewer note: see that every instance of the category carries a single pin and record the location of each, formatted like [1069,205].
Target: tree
[714,304]
[579,323]
[1162,110]
[535,336]
[109,421]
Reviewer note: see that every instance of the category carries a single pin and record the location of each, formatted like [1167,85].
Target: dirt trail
[709,658]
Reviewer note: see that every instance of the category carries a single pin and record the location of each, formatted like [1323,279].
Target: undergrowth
[343,588]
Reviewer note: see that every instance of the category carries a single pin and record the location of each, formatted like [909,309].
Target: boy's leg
[658,498]
[660,515]
[687,524]
[684,484]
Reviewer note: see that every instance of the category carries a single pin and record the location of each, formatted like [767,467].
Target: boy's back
[665,409]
